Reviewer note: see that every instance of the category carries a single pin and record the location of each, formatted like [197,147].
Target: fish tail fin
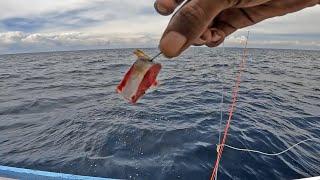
[140,54]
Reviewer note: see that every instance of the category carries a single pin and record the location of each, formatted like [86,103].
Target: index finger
[188,24]
[166,7]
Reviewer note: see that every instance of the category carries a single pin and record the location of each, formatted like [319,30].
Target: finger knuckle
[233,2]
[194,14]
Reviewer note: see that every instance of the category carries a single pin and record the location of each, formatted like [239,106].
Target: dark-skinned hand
[209,22]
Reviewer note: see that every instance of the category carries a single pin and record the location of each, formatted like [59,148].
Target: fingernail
[216,36]
[172,43]
[161,9]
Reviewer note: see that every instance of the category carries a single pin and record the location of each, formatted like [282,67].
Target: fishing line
[232,109]
[221,103]
[155,56]
[222,144]
[268,154]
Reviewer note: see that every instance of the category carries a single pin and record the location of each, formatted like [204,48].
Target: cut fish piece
[140,77]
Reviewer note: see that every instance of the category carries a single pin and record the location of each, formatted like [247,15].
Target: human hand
[208,22]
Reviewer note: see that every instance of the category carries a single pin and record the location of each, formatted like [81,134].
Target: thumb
[189,23]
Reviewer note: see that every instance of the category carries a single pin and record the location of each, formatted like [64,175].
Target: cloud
[301,22]
[282,41]
[236,40]
[32,8]
[18,41]
[72,15]
[46,25]
[22,24]
[10,37]
[27,42]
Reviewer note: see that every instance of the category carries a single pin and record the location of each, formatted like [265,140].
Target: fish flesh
[140,77]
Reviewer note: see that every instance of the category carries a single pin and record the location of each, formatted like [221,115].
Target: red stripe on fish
[148,81]
[124,81]
[140,77]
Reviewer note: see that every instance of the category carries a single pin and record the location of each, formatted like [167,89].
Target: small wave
[38,78]
[40,105]
[67,117]
[9,76]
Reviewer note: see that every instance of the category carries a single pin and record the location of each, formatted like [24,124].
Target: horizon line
[79,50]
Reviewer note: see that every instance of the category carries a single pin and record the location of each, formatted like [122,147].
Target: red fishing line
[231,111]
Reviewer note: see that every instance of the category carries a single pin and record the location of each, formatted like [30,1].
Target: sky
[62,25]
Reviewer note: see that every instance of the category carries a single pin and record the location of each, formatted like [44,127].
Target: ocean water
[59,112]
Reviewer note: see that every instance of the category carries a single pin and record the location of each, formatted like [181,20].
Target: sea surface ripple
[59,112]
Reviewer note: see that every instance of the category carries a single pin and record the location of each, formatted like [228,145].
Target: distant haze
[46,25]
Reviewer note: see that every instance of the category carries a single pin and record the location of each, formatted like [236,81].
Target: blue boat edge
[21,173]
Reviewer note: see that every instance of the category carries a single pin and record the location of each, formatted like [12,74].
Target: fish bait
[140,77]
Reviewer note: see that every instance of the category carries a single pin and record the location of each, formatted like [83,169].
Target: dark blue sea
[59,112]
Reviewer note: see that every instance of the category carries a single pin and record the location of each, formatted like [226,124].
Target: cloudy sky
[54,25]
